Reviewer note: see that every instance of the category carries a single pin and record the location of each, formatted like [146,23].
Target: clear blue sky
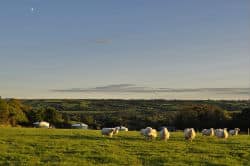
[62,45]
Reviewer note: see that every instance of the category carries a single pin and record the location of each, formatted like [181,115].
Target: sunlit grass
[31,146]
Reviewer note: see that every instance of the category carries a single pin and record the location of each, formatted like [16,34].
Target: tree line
[133,114]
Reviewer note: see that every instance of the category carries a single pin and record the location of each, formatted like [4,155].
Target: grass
[31,146]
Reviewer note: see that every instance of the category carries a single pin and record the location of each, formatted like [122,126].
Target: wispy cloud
[132,88]
[101,41]
[110,88]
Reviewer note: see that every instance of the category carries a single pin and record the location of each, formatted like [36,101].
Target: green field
[31,146]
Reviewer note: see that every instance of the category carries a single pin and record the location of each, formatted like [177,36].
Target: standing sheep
[152,134]
[116,130]
[164,134]
[149,133]
[189,134]
[234,132]
[143,132]
[108,131]
[208,132]
[221,133]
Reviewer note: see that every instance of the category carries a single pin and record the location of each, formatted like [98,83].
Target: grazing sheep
[108,131]
[234,132]
[164,134]
[221,133]
[149,133]
[189,134]
[217,131]
[208,132]
[152,134]
[144,131]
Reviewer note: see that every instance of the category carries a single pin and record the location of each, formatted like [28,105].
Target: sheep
[42,124]
[164,134]
[116,131]
[144,131]
[221,133]
[217,132]
[234,132]
[149,133]
[208,132]
[108,131]
[189,134]
[122,128]
[152,134]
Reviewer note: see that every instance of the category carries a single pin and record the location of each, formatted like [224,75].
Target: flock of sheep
[189,133]
[150,133]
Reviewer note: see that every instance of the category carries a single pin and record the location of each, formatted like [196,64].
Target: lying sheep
[164,134]
[208,132]
[221,133]
[42,124]
[122,128]
[189,134]
[109,131]
[234,132]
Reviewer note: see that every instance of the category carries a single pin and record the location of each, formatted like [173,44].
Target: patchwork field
[31,146]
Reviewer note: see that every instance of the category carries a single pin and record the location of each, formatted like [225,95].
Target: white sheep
[108,131]
[221,133]
[208,132]
[42,124]
[144,131]
[189,134]
[164,134]
[116,130]
[152,134]
[234,132]
[149,133]
[122,128]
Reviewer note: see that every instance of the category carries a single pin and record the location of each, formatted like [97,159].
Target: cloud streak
[132,88]
[100,41]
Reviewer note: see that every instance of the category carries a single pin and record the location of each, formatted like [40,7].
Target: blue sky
[49,48]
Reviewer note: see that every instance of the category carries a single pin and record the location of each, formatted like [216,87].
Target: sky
[125,49]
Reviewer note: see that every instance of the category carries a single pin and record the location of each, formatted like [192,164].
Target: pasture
[33,146]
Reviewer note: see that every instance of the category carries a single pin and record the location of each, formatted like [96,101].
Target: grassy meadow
[33,146]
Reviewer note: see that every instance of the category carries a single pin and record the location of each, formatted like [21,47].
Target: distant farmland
[31,146]
[137,114]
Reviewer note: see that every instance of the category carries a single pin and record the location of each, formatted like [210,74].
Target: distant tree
[244,118]
[4,113]
[88,119]
[202,116]
[16,114]
[52,116]
[66,118]
[36,115]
